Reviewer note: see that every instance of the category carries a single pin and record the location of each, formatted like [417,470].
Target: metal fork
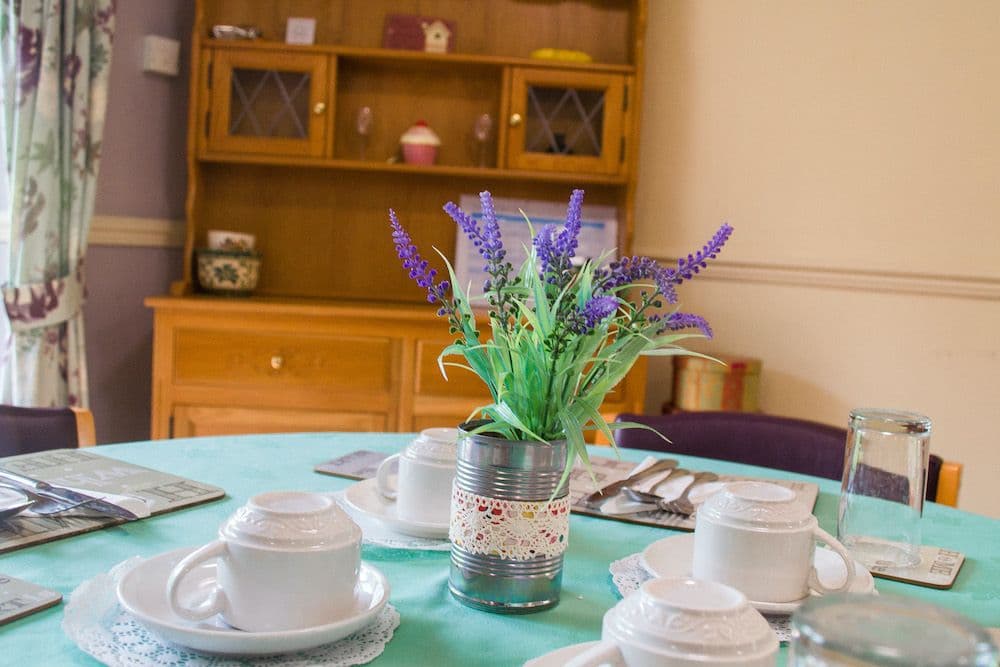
[681,504]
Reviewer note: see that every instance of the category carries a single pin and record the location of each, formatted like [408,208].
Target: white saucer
[365,498]
[142,593]
[12,502]
[671,557]
[559,657]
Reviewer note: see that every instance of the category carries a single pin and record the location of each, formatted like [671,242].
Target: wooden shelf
[417,170]
[399,55]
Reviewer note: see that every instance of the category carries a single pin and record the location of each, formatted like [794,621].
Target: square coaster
[20,598]
[938,568]
[361,464]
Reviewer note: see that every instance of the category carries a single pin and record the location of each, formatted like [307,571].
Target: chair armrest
[949,481]
[86,434]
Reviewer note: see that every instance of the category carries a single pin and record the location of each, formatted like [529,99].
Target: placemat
[82,468]
[938,568]
[19,598]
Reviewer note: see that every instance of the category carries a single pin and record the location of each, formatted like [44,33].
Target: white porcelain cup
[287,560]
[220,239]
[677,622]
[426,469]
[755,537]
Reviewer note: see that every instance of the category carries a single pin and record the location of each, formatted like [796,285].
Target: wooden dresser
[336,336]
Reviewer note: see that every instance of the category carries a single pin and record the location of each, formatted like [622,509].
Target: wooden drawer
[194,421]
[216,356]
[461,383]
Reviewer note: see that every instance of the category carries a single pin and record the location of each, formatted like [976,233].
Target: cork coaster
[19,598]
[938,568]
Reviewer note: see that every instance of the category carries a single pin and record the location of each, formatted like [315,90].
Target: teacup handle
[603,654]
[216,600]
[382,477]
[838,548]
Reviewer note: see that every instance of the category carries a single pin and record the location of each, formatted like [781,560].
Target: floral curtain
[55,57]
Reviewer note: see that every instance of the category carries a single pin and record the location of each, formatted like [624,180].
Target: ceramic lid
[694,619]
[436,445]
[420,134]
[756,505]
[291,520]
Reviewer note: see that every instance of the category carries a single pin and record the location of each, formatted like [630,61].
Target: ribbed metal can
[507,476]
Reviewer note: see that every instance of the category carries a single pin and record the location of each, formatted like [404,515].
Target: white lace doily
[628,575]
[375,533]
[95,621]
[511,529]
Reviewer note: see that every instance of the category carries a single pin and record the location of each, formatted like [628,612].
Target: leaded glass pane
[269,103]
[564,121]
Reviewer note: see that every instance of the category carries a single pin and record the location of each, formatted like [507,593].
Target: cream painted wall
[855,147]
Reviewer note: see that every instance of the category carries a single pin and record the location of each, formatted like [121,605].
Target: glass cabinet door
[268,103]
[566,121]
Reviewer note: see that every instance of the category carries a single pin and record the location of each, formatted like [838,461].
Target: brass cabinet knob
[319,108]
[515,119]
[277,361]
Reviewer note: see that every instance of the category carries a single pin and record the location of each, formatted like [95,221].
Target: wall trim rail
[846,279]
[119,230]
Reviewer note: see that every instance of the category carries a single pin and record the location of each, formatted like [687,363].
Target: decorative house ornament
[436,36]
[432,34]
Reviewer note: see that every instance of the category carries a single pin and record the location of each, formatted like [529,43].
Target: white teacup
[426,469]
[287,560]
[682,623]
[755,537]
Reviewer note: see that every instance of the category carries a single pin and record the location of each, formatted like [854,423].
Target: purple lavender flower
[555,255]
[418,267]
[465,222]
[492,247]
[628,270]
[686,268]
[676,321]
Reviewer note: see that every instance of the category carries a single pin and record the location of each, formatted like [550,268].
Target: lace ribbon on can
[516,530]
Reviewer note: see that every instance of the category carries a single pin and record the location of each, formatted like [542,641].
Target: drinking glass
[891,631]
[882,495]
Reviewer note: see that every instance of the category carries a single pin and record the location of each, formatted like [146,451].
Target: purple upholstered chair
[776,442]
[28,430]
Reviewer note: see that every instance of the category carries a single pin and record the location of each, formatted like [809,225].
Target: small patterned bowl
[227,272]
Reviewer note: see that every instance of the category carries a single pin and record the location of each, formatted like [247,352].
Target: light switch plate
[300,31]
[160,55]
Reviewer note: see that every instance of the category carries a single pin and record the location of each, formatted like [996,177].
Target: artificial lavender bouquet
[562,333]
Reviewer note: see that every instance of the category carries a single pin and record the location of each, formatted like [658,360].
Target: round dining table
[435,629]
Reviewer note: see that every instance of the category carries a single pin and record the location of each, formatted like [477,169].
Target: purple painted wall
[143,175]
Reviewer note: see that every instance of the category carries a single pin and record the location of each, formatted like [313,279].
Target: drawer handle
[277,361]
[515,119]
[319,108]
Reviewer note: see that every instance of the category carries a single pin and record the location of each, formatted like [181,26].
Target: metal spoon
[679,505]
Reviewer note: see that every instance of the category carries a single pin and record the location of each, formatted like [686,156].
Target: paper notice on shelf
[598,234]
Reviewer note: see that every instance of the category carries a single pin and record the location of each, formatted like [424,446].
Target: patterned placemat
[84,469]
[19,598]
[938,568]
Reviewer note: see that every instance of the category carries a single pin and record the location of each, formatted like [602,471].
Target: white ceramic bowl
[232,273]
[220,239]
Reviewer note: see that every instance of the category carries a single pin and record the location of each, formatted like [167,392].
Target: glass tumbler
[882,495]
[851,630]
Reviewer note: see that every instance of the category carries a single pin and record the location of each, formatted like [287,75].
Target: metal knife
[47,490]
[597,497]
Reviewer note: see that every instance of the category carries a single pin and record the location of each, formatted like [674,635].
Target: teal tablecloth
[434,628]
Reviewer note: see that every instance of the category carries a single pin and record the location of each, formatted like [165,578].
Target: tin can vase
[508,533]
